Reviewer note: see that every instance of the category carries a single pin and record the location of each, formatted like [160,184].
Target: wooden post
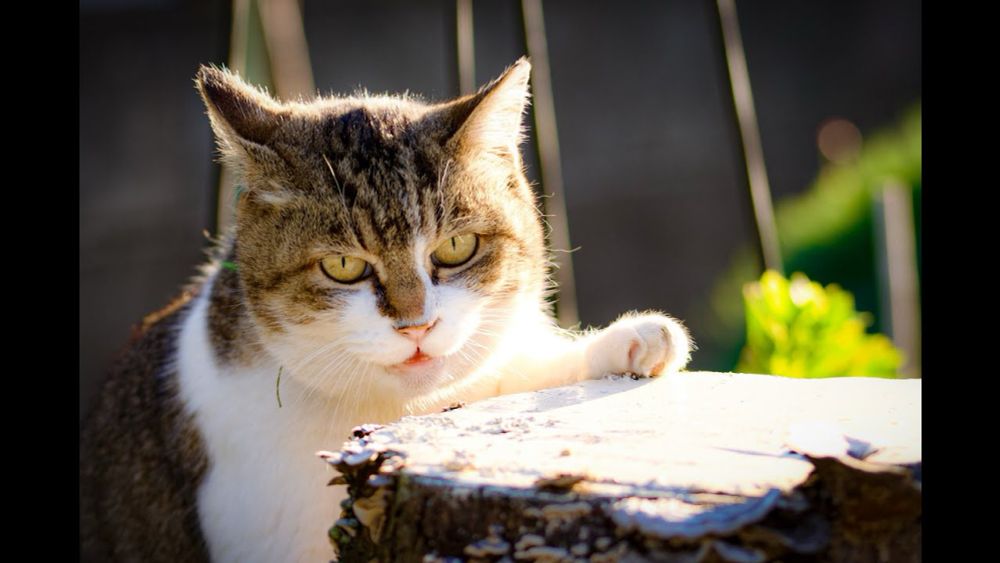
[898,280]
[268,48]
[465,47]
[751,147]
[692,466]
[550,162]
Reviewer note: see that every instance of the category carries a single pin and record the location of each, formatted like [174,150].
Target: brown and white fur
[190,456]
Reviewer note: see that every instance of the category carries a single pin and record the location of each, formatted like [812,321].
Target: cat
[387,259]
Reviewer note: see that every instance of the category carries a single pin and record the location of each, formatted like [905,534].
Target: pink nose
[416,332]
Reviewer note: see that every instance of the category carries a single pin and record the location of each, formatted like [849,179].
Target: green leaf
[798,328]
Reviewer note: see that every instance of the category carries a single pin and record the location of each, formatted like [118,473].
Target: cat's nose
[416,332]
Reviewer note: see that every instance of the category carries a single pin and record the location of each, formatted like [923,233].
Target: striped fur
[202,445]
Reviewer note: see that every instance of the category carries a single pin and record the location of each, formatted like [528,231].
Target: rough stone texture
[687,467]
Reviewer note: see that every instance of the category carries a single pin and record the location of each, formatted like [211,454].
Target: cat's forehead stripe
[372,178]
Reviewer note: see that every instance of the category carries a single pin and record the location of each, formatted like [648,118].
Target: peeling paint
[650,490]
[568,511]
[487,548]
[528,541]
[675,518]
[544,554]
[370,512]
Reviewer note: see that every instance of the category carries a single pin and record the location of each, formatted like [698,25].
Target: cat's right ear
[243,117]
[489,121]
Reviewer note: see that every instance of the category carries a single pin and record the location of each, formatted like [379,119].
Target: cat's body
[388,259]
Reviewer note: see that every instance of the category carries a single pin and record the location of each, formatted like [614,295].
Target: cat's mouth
[418,365]
[418,358]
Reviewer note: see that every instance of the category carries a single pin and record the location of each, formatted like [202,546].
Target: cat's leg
[646,344]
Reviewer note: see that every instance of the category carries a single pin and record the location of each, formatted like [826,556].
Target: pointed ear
[491,119]
[242,116]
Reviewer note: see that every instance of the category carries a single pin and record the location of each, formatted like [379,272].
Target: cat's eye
[456,250]
[345,269]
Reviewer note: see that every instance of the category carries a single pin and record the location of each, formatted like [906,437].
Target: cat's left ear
[491,119]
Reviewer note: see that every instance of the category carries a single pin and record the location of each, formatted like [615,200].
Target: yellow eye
[345,269]
[456,250]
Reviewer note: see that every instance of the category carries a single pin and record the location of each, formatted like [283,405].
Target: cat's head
[383,244]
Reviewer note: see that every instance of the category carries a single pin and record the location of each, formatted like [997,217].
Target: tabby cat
[387,259]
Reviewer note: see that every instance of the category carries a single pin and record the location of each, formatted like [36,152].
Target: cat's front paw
[647,345]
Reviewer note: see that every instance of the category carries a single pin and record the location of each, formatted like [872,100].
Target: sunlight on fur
[341,285]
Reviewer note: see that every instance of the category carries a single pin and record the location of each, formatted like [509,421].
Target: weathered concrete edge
[847,510]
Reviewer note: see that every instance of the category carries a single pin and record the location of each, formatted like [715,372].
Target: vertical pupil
[454,245]
[343,262]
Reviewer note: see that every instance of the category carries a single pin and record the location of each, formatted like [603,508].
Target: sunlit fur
[386,180]
[277,360]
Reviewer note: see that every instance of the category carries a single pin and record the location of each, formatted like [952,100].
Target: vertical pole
[750,143]
[895,236]
[237,62]
[465,40]
[248,57]
[287,49]
[549,160]
[268,47]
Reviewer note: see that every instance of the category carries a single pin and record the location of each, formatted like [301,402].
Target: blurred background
[633,128]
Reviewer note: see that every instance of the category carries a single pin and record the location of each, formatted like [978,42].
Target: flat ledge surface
[682,457]
[729,433]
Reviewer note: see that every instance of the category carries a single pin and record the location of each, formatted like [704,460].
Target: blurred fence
[652,183]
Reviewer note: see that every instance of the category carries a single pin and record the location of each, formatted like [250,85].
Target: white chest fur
[264,496]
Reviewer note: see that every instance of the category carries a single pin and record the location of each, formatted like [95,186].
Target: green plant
[826,232]
[798,328]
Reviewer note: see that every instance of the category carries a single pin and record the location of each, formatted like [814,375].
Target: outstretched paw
[647,345]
